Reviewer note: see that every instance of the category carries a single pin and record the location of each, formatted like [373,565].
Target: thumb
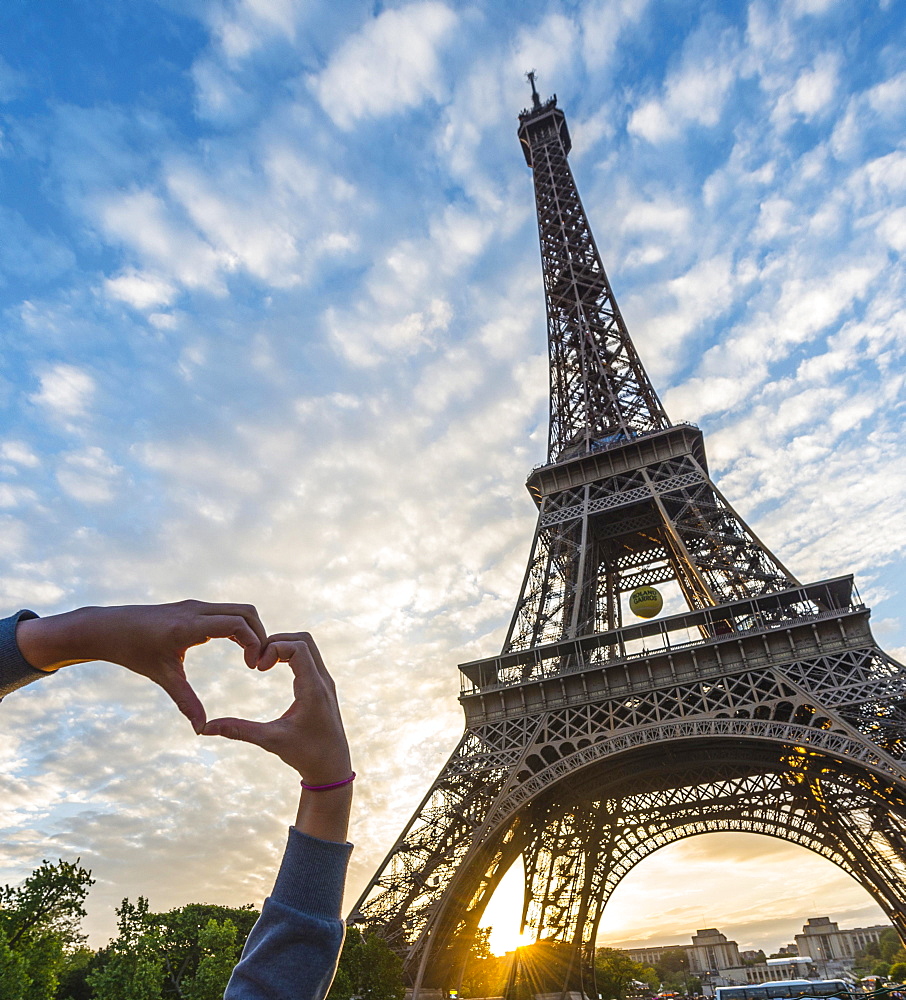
[237,729]
[185,699]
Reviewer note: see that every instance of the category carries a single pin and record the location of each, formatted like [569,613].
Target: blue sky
[273,331]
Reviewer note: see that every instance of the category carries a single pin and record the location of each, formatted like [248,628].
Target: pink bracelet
[333,784]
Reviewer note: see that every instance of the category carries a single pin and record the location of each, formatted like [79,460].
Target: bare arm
[151,640]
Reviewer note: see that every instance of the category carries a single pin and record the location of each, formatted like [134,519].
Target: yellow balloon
[646,602]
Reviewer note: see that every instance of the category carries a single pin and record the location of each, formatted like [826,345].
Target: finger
[184,697]
[297,654]
[233,627]
[280,649]
[248,612]
[237,729]
[309,641]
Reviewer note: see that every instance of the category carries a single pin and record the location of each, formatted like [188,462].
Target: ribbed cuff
[15,670]
[312,875]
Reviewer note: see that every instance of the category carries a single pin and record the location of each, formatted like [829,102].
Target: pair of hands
[152,640]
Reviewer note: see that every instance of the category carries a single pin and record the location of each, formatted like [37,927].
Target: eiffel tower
[765,706]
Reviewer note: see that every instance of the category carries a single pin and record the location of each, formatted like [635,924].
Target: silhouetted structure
[765,706]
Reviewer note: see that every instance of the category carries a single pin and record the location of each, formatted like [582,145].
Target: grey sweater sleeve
[292,951]
[15,670]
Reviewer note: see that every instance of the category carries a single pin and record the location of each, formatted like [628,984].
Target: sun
[507,940]
[504,912]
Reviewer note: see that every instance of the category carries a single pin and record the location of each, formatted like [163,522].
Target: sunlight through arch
[503,913]
[756,889]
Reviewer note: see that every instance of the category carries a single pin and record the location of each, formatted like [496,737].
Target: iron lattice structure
[766,707]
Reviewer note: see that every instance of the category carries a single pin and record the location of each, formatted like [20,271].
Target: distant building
[652,955]
[821,950]
[826,942]
[710,950]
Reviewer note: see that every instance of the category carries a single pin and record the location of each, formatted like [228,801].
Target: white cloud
[390,64]
[546,47]
[602,24]
[219,95]
[243,26]
[695,92]
[12,82]
[144,222]
[14,496]
[364,342]
[274,215]
[811,93]
[887,98]
[140,290]
[775,220]
[18,592]
[802,7]
[88,475]
[65,391]
[405,306]
[19,453]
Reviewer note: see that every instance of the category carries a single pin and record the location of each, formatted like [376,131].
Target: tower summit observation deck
[763,706]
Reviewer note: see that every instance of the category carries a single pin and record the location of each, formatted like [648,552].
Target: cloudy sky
[273,331]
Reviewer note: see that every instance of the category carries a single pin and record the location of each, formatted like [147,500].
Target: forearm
[15,670]
[325,815]
[60,640]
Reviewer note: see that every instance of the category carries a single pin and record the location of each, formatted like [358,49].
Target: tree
[484,974]
[898,972]
[368,969]
[890,948]
[39,919]
[217,944]
[49,901]
[180,954]
[14,979]
[185,941]
[672,969]
[615,971]
[131,968]
[73,976]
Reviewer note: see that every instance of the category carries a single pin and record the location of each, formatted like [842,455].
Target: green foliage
[49,901]
[368,968]
[217,947]
[483,974]
[888,948]
[14,978]
[187,953]
[73,975]
[184,941]
[615,970]
[898,972]
[39,919]
[132,968]
[889,945]
[672,969]
[672,961]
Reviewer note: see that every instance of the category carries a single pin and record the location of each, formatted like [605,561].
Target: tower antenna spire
[536,100]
